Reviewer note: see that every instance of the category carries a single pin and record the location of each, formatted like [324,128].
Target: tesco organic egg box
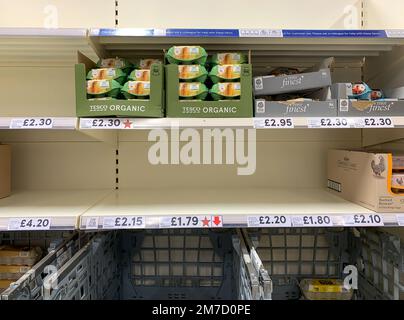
[151,105]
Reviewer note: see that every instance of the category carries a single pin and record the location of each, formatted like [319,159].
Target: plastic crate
[380,265]
[61,246]
[178,264]
[290,255]
[253,281]
[91,274]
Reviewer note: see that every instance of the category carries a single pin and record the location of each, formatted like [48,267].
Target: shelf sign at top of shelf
[247,33]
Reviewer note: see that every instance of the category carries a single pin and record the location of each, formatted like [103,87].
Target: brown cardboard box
[364,178]
[5,170]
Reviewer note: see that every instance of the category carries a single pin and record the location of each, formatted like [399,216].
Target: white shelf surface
[233,205]
[62,207]
[59,123]
[167,123]
[43,47]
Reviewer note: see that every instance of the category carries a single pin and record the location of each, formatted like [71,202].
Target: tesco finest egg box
[364,178]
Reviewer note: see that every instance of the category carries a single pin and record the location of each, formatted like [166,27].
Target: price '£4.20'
[25,224]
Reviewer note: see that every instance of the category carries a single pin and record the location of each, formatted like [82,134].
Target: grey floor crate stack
[61,246]
[177,264]
[290,255]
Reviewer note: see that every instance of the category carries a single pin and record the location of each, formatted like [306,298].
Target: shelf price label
[400,220]
[29,224]
[376,122]
[31,123]
[312,221]
[364,220]
[187,221]
[274,123]
[106,123]
[268,221]
[328,123]
[124,222]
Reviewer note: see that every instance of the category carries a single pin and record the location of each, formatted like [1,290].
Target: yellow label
[188,72]
[189,89]
[187,52]
[140,88]
[326,285]
[4,284]
[229,71]
[97,86]
[13,269]
[230,89]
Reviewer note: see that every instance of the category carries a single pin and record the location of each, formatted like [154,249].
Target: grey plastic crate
[248,287]
[91,274]
[381,266]
[178,264]
[289,255]
[61,246]
[253,280]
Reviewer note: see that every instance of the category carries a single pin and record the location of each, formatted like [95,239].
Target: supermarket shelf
[234,208]
[68,123]
[61,207]
[258,123]
[43,47]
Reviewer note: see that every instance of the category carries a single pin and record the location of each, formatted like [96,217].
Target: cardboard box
[153,107]
[364,178]
[362,108]
[176,108]
[295,109]
[5,170]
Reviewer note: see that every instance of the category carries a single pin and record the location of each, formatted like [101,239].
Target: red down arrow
[216,220]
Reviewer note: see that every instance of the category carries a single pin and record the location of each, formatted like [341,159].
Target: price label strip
[106,123]
[274,123]
[400,219]
[207,221]
[269,221]
[29,224]
[374,122]
[312,221]
[124,222]
[364,220]
[329,123]
[31,123]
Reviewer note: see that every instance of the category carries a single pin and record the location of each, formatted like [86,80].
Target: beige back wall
[57,13]
[241,14]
